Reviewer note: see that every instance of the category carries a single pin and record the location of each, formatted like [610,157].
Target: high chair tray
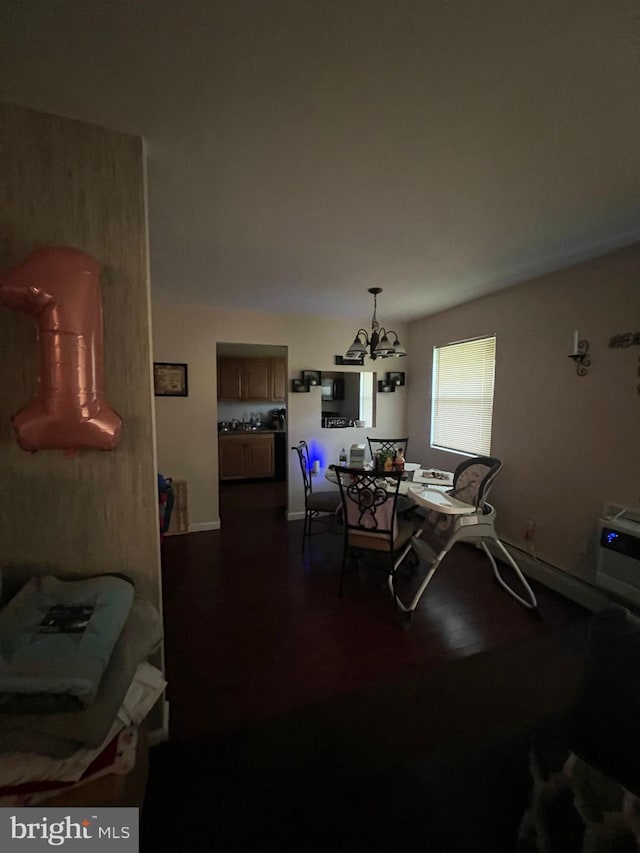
[440,501]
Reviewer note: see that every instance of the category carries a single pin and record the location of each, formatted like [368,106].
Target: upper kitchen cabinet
[278,380]
[230,378]
[258,380]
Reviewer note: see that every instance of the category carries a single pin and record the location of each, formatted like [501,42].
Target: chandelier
[377,344]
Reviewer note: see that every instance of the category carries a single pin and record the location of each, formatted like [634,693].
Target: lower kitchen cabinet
[245,456]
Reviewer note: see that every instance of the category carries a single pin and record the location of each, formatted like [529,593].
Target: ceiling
[302,151]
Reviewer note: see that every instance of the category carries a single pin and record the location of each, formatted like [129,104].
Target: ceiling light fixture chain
[375,326]
[378,344]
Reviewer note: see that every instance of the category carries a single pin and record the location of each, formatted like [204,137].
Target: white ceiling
[302,151]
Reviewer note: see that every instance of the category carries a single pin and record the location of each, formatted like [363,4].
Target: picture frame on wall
[170,379]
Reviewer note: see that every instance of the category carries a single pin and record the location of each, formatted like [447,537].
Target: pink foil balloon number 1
[60,287]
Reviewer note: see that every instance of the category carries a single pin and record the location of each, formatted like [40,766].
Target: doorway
[252,396]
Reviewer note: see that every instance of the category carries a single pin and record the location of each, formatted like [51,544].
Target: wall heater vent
[618,567]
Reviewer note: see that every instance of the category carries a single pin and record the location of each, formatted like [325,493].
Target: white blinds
[366,398]
[462,401]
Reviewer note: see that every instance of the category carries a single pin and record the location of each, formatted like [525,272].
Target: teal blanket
[56,639]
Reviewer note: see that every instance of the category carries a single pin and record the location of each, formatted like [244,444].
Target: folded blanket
[56,639]
[60,735]
[18,768]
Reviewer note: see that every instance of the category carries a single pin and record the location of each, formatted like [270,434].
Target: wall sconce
[580,354]
[396,379]
[359,361]
[311,377]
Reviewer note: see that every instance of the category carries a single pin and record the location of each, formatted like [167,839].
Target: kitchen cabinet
[278,380]
[246,456]
[230,378]
[257,380]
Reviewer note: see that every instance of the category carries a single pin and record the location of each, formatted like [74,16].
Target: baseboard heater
[583,592]
[618,540]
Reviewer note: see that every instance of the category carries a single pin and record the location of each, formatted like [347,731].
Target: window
[366,399]
[462,396]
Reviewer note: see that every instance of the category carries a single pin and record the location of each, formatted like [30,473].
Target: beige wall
[70,183]
[187,437]
[568,443]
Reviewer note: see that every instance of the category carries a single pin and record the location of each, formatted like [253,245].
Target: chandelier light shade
[376,344]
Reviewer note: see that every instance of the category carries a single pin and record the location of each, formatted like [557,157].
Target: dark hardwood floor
[255,629]
[304,721]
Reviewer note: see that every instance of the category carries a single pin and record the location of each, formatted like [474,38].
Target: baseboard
[295,516]
[204,525]
[570,586]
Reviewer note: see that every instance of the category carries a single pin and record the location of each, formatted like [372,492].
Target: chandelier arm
[390,332]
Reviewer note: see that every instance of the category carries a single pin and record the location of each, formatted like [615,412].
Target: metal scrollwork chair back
[370,518]
[319,506]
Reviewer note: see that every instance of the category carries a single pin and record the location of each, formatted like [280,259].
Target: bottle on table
[343,458]
[398,460]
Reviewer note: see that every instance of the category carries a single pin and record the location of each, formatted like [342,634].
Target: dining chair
[462,514]
[322,507]
[387,444]
[369,516]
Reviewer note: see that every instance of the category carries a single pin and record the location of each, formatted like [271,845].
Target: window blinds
[462,396]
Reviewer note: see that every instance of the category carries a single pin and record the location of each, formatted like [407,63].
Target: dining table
[423,486]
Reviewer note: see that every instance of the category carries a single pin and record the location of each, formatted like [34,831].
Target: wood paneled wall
[65,182]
